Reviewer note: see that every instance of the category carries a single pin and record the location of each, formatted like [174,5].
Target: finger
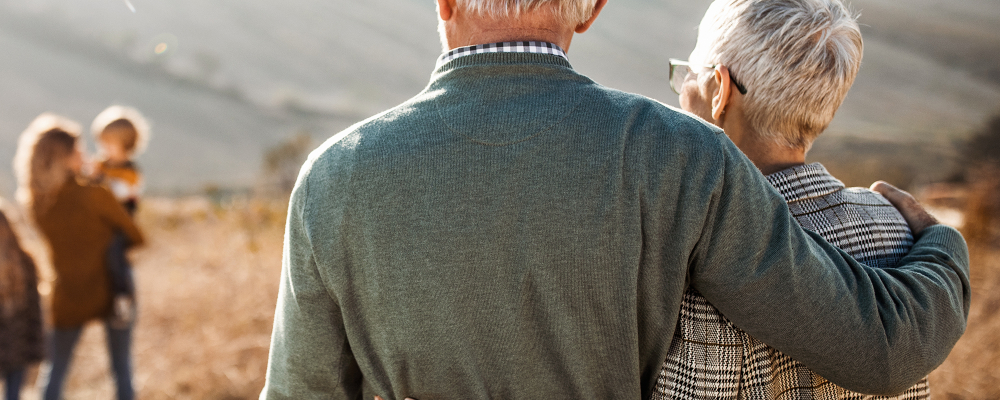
[894,194]
[378,398]
[879,186]
[916,216]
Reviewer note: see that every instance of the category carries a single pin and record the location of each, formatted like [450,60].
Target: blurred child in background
[21,340]
[121,134]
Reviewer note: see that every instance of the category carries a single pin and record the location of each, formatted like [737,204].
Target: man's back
[473,246]
[711,358]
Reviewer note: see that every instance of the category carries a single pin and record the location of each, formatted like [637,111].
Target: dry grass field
[972,371]
[208,283]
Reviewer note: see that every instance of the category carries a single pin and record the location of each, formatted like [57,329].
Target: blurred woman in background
[21,341]
[79,223]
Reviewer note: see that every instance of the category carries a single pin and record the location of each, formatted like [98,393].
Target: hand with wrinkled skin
[916,216]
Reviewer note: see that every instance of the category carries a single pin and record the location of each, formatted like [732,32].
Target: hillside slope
[233,77]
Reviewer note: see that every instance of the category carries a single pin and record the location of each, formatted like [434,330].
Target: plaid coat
[710,358]
[21,336]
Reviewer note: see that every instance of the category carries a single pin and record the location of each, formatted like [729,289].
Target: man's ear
[445,9]
[723,91]
[586,24]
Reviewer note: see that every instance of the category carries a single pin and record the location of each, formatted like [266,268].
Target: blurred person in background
[518,231]
[121,134]
[79,223]
[772,74]
[21,337]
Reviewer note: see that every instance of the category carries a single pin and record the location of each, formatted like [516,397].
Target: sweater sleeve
[113,213]
[310,357]
[869,330]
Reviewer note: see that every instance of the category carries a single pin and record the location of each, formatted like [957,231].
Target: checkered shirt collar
[504,47]
[804,181]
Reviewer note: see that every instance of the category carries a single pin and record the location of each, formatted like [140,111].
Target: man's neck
[467,29]
[515,35]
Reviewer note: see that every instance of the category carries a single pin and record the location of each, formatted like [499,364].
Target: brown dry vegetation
[207,282]
[972,371]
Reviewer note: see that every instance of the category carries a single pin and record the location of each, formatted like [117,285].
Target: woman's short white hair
[570,11]
[797,59]
[115,113]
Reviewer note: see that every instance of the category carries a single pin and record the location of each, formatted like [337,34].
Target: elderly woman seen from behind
[79,222]
[772,74]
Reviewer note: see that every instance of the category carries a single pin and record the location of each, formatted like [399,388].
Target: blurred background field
[239,91]
[224,80]
[207,284]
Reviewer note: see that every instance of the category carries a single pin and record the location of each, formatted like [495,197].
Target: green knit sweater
[516,231]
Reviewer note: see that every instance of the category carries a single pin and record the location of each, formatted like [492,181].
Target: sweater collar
[534,47]
[804,181]
[499,59]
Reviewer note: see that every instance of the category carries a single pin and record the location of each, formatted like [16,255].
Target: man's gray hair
[797,59]
[570,11]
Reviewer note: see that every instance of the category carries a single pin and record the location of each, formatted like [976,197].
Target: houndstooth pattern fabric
[710,358]
[504,47]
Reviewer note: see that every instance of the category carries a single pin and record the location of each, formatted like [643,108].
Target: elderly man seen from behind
[772,73]
[517,231]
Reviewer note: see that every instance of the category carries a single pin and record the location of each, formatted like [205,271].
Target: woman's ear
[723,90]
